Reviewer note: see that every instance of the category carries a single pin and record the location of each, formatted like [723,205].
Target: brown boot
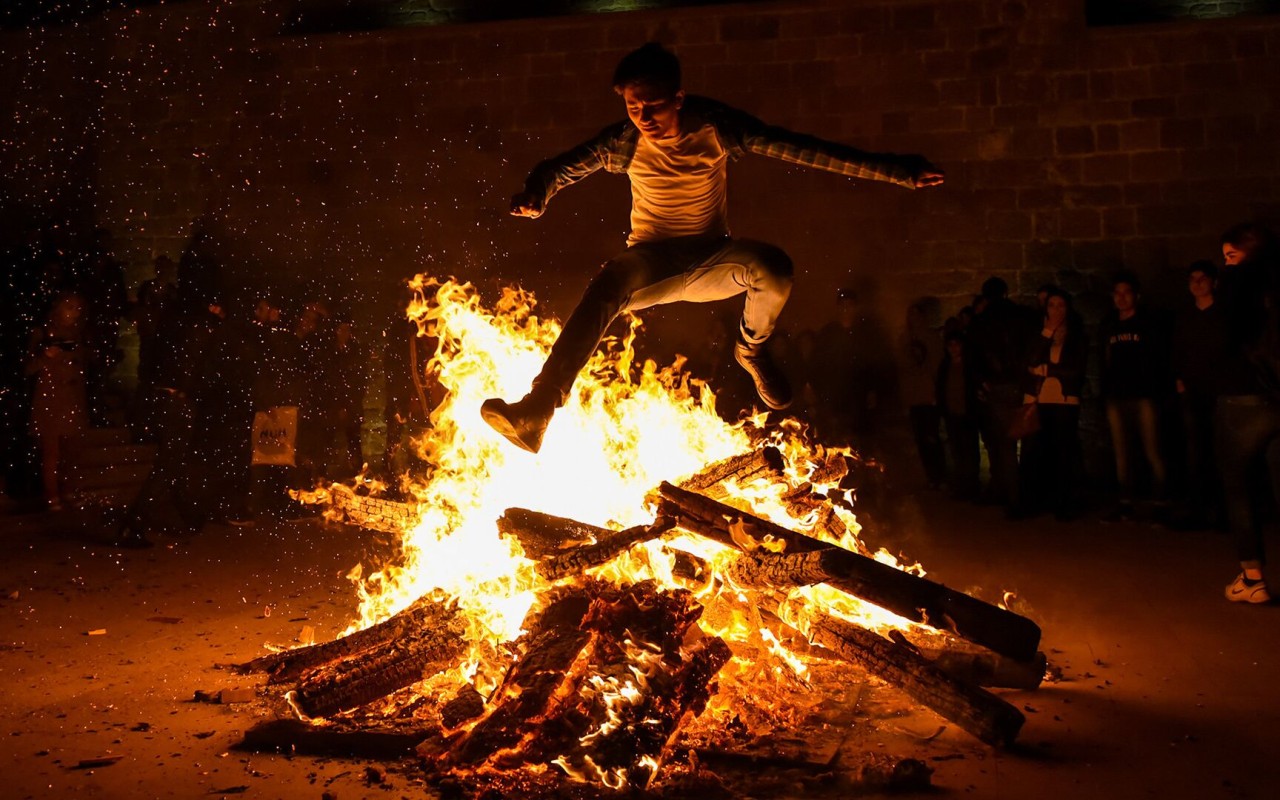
[522,423]
[771,384]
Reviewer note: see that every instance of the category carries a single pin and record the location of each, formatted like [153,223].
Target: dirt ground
[1167,690]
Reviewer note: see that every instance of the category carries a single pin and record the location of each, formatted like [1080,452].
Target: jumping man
[675,149]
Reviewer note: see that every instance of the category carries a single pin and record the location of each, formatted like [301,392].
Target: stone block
[1164,220]
[1080,223]
[1140,135]
[1075,140]
[1158,107]
[1107,137]
[1181,133]
[1009,225]
[912,17]
[1157,165]
[1119,222]
[1105,169]
[738,27]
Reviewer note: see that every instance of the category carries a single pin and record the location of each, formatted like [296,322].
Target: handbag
[1024,421]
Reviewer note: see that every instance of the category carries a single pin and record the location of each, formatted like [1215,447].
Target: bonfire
[652,584]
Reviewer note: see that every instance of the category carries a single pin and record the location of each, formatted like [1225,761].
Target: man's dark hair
[994,288]
[650,64]
[1204,265]
[1125,276]
[1251,238]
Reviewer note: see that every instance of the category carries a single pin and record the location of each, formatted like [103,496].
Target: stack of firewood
[603,676]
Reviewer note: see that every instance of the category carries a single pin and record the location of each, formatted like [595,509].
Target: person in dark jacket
[958,403]
[1055,382]
[1201,345]
[1247,416]
[1135,377]
[996,353]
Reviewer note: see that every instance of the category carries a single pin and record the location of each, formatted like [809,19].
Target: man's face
[1232,255]
[1199,284]
[1124,297]
[655,112]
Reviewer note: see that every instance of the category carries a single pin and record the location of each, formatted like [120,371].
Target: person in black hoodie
[1055,382]
[1247,416]
[1135,375]
[1200,346]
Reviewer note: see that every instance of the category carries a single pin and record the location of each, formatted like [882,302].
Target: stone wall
[351,161]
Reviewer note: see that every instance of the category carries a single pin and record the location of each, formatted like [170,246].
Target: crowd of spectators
[249,397]
[1190,396]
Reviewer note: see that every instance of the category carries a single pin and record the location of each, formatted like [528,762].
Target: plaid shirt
[739,133]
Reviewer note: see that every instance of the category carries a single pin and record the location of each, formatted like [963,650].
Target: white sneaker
[1241,592]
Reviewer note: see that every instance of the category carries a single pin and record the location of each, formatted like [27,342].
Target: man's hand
[525,204]
[929,175]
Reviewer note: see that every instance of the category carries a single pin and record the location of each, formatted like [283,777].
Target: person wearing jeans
[1135,375]
[1247,416]
[675,152]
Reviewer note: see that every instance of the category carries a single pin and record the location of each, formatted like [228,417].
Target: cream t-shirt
[679,187]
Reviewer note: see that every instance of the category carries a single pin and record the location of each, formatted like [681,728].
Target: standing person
[959,404]
[346,375]
[996,353]
[847,378]
[156,305]
[1201,345]
[1247,418]
[102,286]
[1135,376]
[1056,382]
[59,407]
[675,150]
[920,354]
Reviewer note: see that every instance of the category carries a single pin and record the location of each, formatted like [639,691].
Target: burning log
[551,645]
[811,561]
[603,683]
[989,669]
[381,670]
[566,547]
[286,665]
[974,709]
[741,468]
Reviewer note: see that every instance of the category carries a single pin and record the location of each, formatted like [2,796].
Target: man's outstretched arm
[552,175]
[754,136]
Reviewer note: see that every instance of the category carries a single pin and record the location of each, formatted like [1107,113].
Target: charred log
[287,665]
[764,461]
[610,545]
[290,736]
[553,642]
[379,671]
[545,535]
[811,561]
[976,710]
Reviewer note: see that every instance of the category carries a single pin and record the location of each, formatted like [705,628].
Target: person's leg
[1245,426]
[50,453]
[1148,418]
[1117,423]
[648,274]
[924,428]
[764,273]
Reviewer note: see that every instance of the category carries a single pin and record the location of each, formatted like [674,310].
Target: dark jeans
[696,269]
[1053,456]
[1003,401]
[1127,417]
[1248,440]
[162,502]
[1204,489]
[925,423]
[962,442]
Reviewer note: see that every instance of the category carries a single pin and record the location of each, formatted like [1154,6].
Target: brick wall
[354,160]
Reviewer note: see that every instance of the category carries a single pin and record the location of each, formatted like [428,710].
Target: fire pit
[662,623]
